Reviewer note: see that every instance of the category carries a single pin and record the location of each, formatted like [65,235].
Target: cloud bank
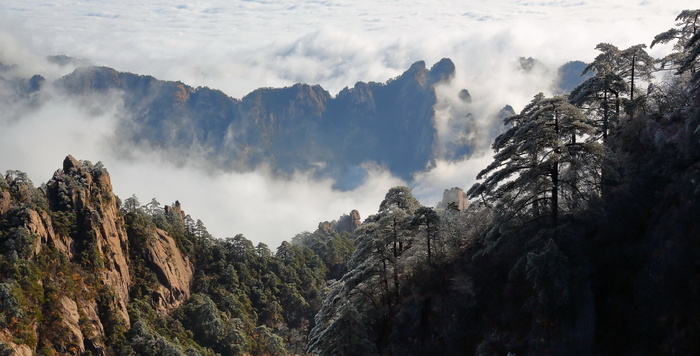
[238,46]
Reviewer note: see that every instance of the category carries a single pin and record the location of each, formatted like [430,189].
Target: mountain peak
[70,163]
[417,66]
[442,70]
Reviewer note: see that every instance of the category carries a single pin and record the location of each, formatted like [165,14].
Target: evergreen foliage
[545,163]
[334,248]
[682,57]
[246,299]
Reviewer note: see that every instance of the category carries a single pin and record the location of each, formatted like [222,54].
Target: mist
[239,46]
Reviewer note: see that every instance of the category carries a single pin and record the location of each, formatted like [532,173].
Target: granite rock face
[87,193]
[73,229]
[349,223]
[173,269]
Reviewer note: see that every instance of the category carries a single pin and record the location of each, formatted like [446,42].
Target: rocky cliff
[173,269]
[65,267]
[87,193]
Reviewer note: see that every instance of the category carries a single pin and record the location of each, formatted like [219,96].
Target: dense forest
[580,238]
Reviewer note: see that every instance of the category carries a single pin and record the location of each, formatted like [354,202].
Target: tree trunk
[634,58]
[427,233]
[555,177]
[387,300]
[396,280]
[555,195]
[396,238]
[605,116]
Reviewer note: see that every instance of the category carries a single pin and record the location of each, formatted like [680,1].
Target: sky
[239,45]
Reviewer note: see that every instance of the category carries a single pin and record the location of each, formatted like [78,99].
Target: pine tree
[340,329]
[687,26]
[636,63]
[599,96]
[611,67]
[684,59]
[546,161]
[366,297]
[426,216]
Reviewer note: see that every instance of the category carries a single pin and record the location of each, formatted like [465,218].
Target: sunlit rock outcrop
[174,270]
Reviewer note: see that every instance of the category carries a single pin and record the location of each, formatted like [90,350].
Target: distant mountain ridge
[297,128]
[571,75]
[300,127]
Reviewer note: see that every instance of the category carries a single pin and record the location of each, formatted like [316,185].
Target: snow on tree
[154,208]
[132,204]
[684,58]
[599,96]
[636,63]
[340,328]
[400,197]
[427,217]
[687,26]
[369,290]
[611,65]
[546,161]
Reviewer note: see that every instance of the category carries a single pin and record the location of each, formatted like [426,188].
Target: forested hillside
[580,238]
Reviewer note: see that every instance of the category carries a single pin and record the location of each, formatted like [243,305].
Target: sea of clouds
[238,46]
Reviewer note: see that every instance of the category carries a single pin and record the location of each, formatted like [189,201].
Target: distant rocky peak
[72,166]
[84,79]
[63,60]
[6,67]
[35,83]
[290,128]
[570,75]
[416,67]
[465,96]
[349,223]
[175,210]
[346,223]
[441,71]
[453,199]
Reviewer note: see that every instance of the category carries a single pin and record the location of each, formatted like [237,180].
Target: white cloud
[38,141]
[235,45]
[238,46]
